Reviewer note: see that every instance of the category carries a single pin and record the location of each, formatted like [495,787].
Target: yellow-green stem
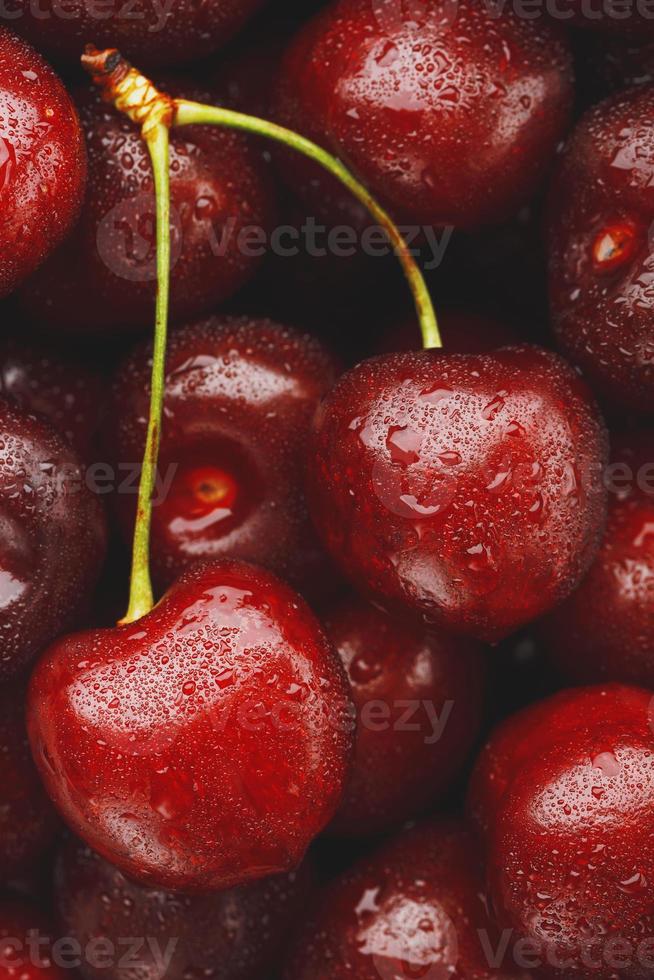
[141,597]
[188,113]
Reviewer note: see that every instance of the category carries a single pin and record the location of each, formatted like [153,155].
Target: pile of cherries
[392,714]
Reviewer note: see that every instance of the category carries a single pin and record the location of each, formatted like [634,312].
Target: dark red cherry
[565,791]
[105,275]
[449,113]
[236,934]
[204,745]
[601,209]
[605,630]
[240,396]
[148,32]
[64,390]
[416,908]
[28,823]
[53,537]
[27,943]
[419,701]
[42,161]
[468,487]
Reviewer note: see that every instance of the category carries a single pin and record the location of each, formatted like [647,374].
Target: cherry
[42,161]
[28,824]
[53,537]
[418,697]
[205,744]
[605,630]
[240,395]
[25,940]
[468,487]
[468,105]
[66,391]
[564,791]
[601,208]
[105,275]
[414,909]
[150,33]
[232,935]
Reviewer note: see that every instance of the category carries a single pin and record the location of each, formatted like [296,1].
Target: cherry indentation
[614,246]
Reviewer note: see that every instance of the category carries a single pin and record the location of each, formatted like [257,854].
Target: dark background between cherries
[553,247]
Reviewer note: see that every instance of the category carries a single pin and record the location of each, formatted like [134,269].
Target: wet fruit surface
[601,208]
[565,790]
[418,696]
[25,943]
[65,391]
[204,745]
[240,395]
[468,106]
[230,935]
[468,487]
[28,823]
[415,908]
[53,537]
[104,277]
[42,160]
[146,31]
[606,628]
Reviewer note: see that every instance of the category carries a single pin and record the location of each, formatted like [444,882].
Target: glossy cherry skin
[605,630]
[53,537]
[564,792]
[240,396]
[149,33]
[468,107]
[236,934]
[22,954]
[104,277]
[413,909]
[28,823]
[467,487]
[419,701]
[69,393]
[204,745]
[601,209]
[42,161]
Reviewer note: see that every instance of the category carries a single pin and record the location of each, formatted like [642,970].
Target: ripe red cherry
[104,277]
[414,909]
[53,537]
[418,697]
[231,935]
[149,33]
[240,396]
[25,943]
[28,823]
[601,209]
[605,630]
[468,105]
[205,744]
[565,794]
[42,161]
[65,391]
[468,487]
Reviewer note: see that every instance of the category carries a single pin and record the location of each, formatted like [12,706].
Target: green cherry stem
[141,597]
[194,113]
[155,112]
